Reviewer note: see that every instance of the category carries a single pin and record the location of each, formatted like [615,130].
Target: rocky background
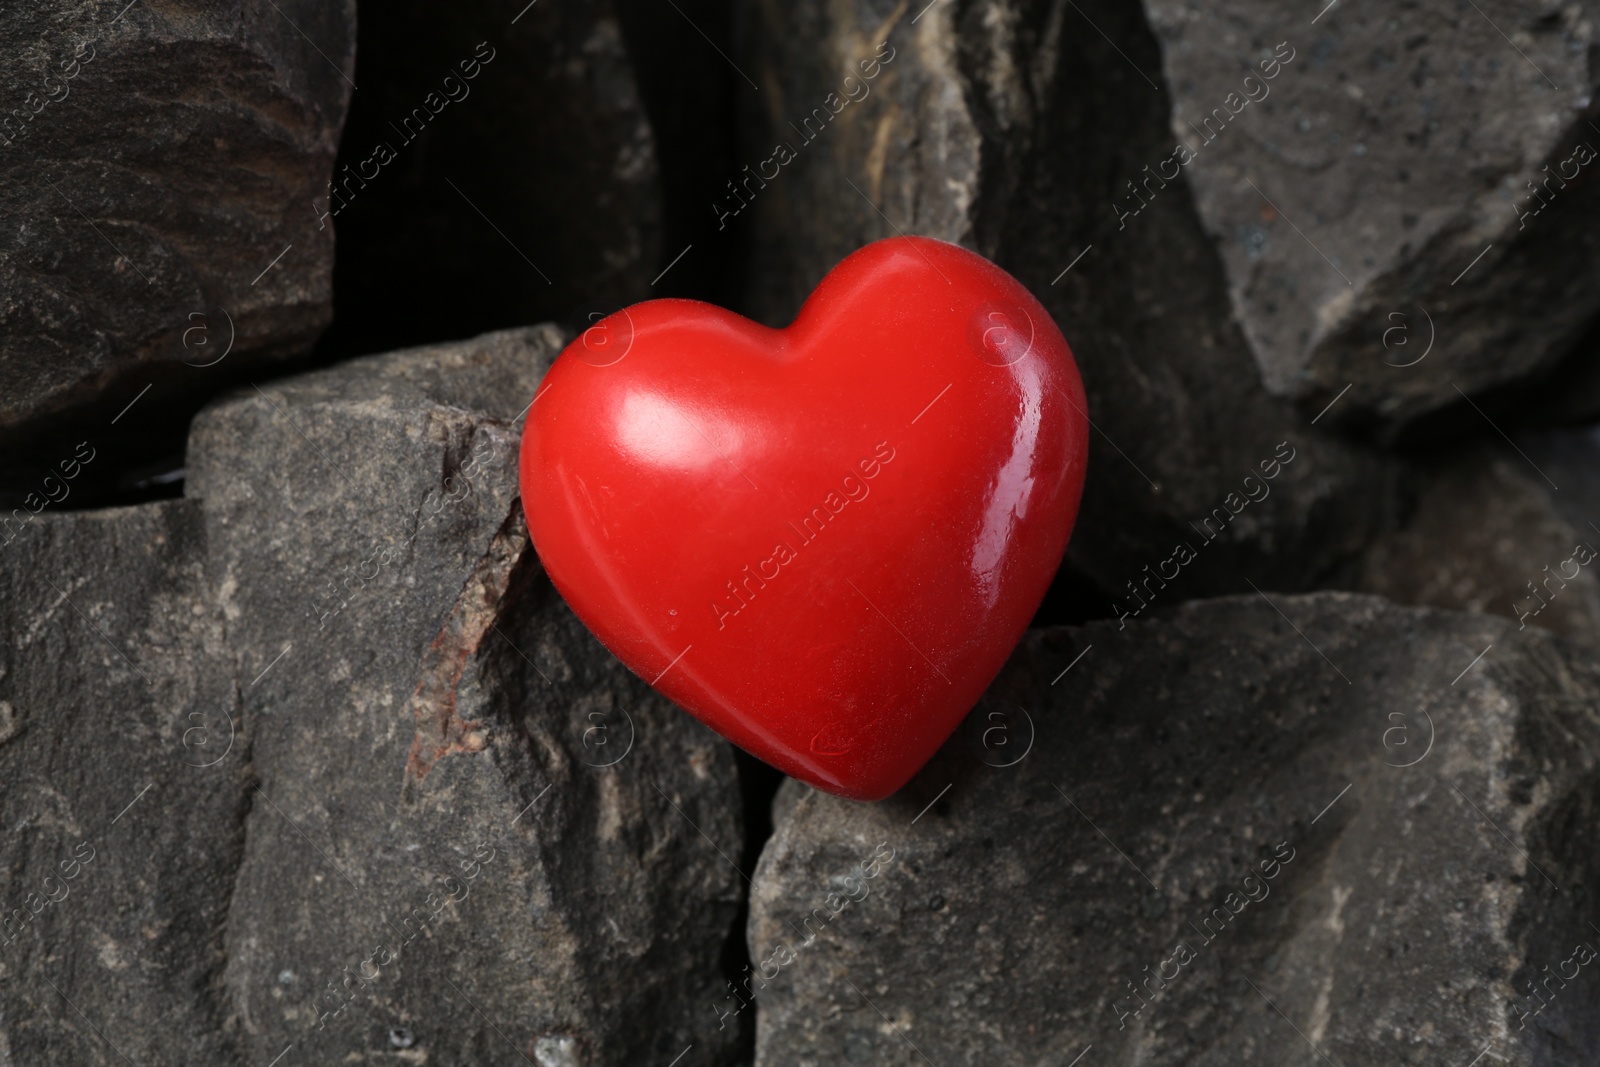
[302,759]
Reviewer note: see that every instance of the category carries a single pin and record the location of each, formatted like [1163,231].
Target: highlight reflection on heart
[822,541]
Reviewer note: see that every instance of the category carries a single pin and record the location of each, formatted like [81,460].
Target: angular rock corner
[121,244]
[1351,243]
[1208,829]
[408,802]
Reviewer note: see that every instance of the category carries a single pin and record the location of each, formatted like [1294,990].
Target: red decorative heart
[822,541]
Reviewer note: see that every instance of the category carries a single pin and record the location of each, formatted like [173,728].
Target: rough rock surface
[1367,862]
[342,770]
[154,161]
[499,154]
[438,857]
[1008,128]
[1391,150]
[1489,533]
[121,792]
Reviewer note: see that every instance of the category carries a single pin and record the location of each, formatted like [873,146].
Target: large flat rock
[316,759]
[1317,827]
[1414,174]
[122,792]
[156,161]
[452,847]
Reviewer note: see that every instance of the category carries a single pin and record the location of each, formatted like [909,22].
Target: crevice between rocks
[484,595]
[758,786]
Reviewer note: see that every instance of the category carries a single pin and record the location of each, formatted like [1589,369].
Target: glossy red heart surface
[821,541]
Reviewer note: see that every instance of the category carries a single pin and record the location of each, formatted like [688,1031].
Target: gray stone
[469,824]
[122,774]
[1006,128]
[1495,532]
[157,183]
[1398,845]
[344,772]
[1392,149]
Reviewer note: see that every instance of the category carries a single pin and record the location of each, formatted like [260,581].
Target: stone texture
[344,771]
[1393,148]
[157,183]
[528,191]
[1489,533]
[360,788]
[1425,845]
[1009,128]
[426,709]
[122,807]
